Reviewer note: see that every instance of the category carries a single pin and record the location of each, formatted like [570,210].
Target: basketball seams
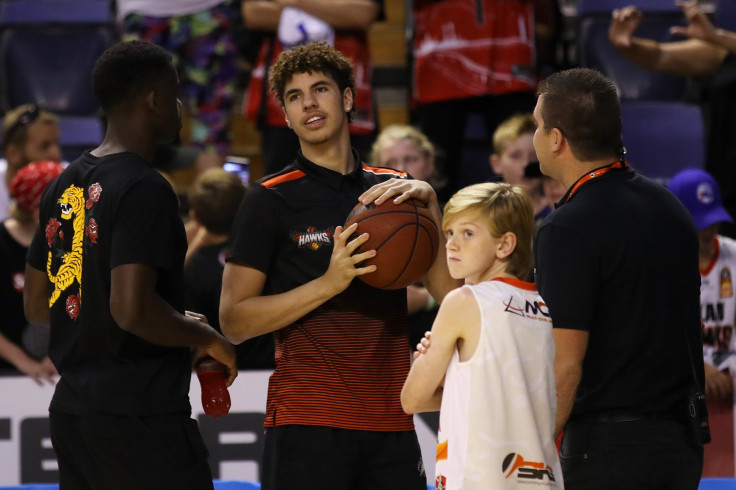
[428,230]
[405,240]
[410,255]
[418,228]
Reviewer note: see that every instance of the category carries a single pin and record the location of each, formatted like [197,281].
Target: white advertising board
[235,441]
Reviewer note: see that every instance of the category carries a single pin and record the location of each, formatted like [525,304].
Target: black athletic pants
[642,454]
[129,453]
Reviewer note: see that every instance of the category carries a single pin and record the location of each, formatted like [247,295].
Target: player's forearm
[258,315]
[438,280]
[155,321]
[423,388]
[684,58]
[12,353]
[725,39]
[645,53]
[413,401]
[567,380]
[418,299]
[340,14]
[35,297]
[261,15]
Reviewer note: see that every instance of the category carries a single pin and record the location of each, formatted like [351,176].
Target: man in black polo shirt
[105,270]
[617,264]
[333,414]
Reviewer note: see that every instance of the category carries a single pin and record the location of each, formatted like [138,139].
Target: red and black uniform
[342,365]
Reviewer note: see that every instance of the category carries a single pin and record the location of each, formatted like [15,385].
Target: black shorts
[125,452]
[307,457]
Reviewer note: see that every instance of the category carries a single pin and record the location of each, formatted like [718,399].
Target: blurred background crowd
[445,90]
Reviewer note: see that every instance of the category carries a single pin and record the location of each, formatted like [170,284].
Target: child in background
[404,148]
[554,190]
[214,198]
[515,160]
[490,366]
[701,195]
[23,346]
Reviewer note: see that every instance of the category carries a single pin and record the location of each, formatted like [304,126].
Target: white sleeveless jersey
[498,408]
[718,306]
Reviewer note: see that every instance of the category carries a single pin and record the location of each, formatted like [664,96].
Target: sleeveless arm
[458,315]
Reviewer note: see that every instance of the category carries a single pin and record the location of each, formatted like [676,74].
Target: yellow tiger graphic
[72,204]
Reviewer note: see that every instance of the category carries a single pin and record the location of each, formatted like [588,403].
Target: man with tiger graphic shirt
[104,270]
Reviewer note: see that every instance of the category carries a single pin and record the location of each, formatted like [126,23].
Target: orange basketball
[405,238]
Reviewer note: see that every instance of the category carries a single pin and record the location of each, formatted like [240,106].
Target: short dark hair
[215,197]
[583,104]
[310,58]
[126,68]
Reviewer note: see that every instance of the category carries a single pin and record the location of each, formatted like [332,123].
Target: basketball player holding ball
[333,414]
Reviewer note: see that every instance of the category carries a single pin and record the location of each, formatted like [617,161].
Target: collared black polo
[295,212]
[343,364]
[619,260]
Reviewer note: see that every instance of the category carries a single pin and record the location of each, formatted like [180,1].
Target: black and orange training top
[342,365]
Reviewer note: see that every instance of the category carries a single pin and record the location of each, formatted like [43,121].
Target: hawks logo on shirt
[312,238]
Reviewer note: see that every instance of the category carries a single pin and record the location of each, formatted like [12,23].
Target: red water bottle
[212,376]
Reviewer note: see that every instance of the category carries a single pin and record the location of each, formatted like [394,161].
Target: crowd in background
[223,49]
[223,53]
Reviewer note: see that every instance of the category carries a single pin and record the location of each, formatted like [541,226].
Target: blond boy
[490,367]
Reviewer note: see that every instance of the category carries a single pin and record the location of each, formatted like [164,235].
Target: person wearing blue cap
[700,194]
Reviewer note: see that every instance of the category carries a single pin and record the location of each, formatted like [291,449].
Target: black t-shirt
[203,282]
[620,261]
[99,214]
[12,275]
